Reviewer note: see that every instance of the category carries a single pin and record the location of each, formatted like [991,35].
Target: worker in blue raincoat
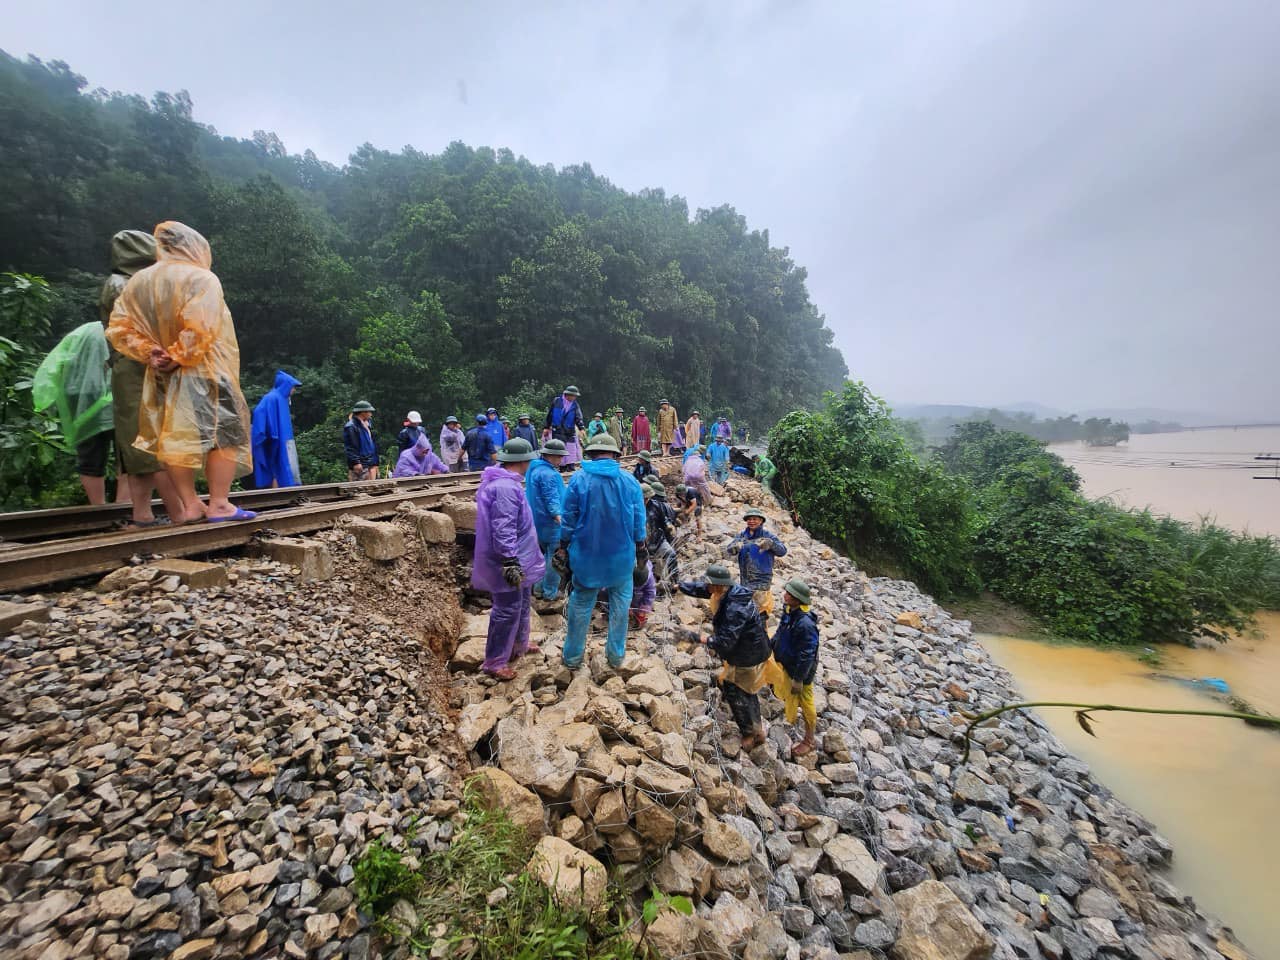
[756,548]
[718,460]
[478,444]
[494,428]
[275,455]
[602,540]
[544,489]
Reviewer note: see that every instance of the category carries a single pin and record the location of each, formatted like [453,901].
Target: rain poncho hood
[603,520]
[131,251]
[177,306]
[419,460]
[545,492]
[695,469]
[275,455]
[504,528]
[73,381]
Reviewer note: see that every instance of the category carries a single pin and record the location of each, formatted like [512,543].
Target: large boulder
[477,720]
[499,791]
[535,758]
[662,783]
[684,870]
[673,935]
[937,926]
[853,862]
[573,876]
[725,842]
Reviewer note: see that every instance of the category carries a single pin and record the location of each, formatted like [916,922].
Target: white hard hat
[414,417]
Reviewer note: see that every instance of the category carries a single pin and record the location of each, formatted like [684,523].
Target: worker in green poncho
[765,471]
[72,383]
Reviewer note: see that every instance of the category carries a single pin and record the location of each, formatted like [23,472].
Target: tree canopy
[440,282]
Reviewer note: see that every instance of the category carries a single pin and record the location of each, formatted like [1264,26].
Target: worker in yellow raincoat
[172,317]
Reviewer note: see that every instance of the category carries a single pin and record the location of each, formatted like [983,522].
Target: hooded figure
[668,421]
[419,461]
[131,251]
[723,430]
[172,316]
[718,459]
[641,436]
[175,309]
[604,529]
[72,380]
[507,558]
[275,455]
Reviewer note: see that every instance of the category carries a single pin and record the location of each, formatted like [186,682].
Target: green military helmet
[571,391]
[664,400]
[641,410]
[554,448]
[525,416]
[515,450]
[754,512]
[659,492]
[362,406]
[645,455]
[602,441]
[681,488]
[798,589]
[719,575]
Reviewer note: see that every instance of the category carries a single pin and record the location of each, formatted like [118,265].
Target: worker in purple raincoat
[419,460]
[507,559]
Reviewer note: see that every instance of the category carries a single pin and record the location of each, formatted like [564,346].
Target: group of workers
[159,374]
[610,533]
[476,447]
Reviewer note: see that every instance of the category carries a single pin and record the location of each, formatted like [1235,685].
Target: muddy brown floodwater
[1211,786]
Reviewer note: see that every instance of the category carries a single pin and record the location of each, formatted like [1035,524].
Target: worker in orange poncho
[171,316]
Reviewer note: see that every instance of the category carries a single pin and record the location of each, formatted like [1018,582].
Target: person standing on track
[360,444]
[564,423]
[172,316]
[451,437]
[413,429]
[525,430]
[641,436]
[507,559]
[131,251]
[668,419]
[275,455]
[478,445]
[602,539]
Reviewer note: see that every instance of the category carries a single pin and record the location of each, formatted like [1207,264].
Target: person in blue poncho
[602,542]
[544,489]
[718,460]
[494,428]
[275,455]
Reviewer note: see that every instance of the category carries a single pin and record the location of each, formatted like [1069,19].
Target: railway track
[43,547]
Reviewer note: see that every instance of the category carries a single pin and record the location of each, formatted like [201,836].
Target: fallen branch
[1083,711]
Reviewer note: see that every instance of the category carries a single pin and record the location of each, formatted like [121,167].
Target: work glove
[560,562]
[764,545]
[512,572]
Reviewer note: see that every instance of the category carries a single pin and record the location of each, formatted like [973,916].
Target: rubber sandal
[240,514]
[506,673]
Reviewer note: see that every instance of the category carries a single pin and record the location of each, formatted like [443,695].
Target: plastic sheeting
[74,381]
[176,306]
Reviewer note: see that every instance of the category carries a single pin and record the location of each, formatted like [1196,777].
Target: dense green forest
[1098,431]
[993,509]
[442,282]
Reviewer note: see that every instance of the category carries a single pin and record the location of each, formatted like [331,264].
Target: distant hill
[1130,415]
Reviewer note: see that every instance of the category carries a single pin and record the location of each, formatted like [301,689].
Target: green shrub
[853,481]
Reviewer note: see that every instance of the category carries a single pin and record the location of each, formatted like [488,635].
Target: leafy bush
[853,481]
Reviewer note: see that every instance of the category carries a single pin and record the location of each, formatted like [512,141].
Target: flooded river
[1211,786]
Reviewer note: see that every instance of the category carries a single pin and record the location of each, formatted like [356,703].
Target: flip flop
[240,514]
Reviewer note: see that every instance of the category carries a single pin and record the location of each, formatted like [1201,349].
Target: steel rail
[30,525]
[23,567]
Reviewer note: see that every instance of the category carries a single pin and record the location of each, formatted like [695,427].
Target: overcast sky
[1070,203]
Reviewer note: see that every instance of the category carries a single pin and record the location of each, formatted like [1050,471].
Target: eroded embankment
[193,772]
